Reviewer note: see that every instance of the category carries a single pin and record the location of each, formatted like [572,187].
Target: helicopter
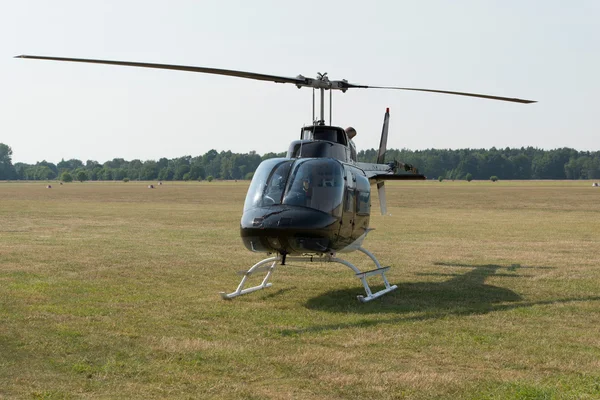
[316,201]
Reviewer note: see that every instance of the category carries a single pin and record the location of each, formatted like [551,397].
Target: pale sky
[547,51]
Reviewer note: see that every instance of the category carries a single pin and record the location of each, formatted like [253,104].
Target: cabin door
[349,211]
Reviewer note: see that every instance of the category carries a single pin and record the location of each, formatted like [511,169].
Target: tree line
[508,163]
[523,163]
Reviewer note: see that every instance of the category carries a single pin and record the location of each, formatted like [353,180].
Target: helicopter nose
[288,229]
[285,217]
[280,222]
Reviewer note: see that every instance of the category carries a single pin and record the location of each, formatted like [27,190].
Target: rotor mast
[322,83]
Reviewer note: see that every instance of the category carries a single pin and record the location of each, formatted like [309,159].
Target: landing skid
[264,266]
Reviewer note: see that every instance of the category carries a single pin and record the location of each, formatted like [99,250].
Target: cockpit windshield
[268,183]
[312,183]
[318,184]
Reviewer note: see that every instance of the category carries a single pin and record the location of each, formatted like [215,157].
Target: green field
[110,290]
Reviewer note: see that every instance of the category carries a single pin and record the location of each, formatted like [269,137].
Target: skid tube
[263,266]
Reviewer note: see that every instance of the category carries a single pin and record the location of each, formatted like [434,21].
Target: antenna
[330,104]
[322,116]
[313,117]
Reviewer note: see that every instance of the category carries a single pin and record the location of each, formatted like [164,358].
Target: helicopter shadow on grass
[462,291]
[461,295]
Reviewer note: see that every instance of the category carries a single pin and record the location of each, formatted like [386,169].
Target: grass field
[110,290]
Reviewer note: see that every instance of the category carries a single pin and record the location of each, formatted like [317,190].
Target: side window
[363,203]
[349,203]
[350,199]
[363,197]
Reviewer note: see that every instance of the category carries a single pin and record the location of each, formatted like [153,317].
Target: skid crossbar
[260,266]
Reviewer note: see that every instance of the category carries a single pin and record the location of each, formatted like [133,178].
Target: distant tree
[212,162]
[249,175]
[469,177]
[66,177]
[197,171]
[440,178]
[551,164]
[69,165]
[591,167]
[119,174]
[226,167]
[242,169]
[91,164]
[125,180]
[115,163]
[165,174]
[209,178]
[162,163]
[75,163]
[210,155]
[20,171]
[149,171]
[96,173]
[573,167]
[521,166]
[468,162]
[29,172]
[44,173]
[7,171]
[181,170]
[82,175]
[63,165]
[105,174]
[493,178]
[50,165]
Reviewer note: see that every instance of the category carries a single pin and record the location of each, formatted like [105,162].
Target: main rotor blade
[216,71]
[483,96]
[298,81]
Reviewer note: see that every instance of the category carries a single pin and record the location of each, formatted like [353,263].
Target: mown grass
[109,290]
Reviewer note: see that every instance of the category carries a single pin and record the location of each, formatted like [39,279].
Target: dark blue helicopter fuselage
[312,201]
[325,212]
